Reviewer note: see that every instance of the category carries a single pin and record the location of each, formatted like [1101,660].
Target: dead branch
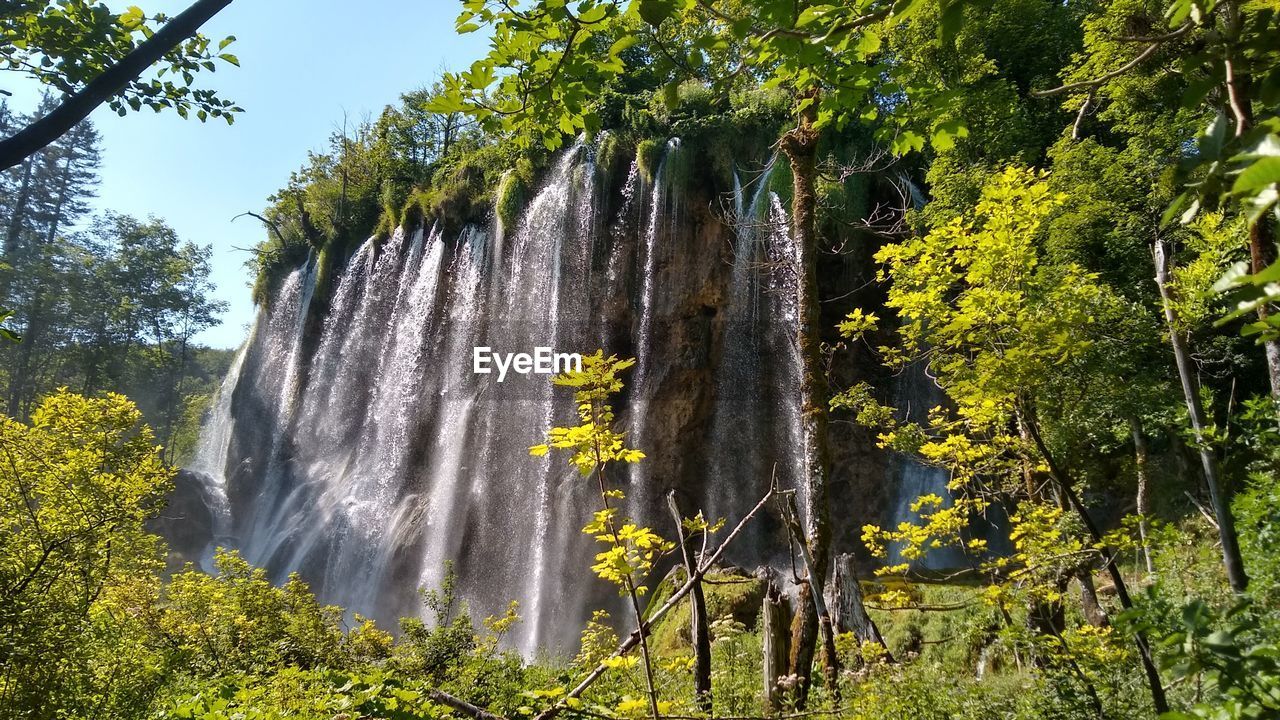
[1080,116]
[462,706]
[275,229]
[634,638]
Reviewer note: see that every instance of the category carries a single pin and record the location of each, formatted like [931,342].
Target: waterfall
[210,461]
[660,231]
[371,456]
[756,427]
[915,394]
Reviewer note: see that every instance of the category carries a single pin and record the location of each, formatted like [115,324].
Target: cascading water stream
[756,424]
[210,462]
[383,457]
[663,215]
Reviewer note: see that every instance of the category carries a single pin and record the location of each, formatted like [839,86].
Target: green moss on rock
[649,155]
[514,190]
[729,592]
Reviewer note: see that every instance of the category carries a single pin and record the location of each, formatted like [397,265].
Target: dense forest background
[1087,272]
[103,303]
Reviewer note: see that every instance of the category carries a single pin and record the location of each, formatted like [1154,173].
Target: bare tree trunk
[20,379]
[1144,489]
[14,231]
[773,639]
[698,628]
[848,610]
[800,146]
[1093,611]
[1231,558]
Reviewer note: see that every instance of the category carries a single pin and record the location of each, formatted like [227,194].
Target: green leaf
[907,141]
[594,15]
[655,12]
[1261,173]
[1213,138]
[812,14]
[1175,208]
[622,44]
[132,19]
[945,133]
[951,20]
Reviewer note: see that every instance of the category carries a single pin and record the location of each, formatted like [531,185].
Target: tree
[76,486]
[1222,59]
[1209,66]
[1006,334]
[631,549]
[93,55]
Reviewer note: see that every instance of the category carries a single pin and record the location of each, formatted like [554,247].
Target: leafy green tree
[1008,336]
[76,486]
[1216,65]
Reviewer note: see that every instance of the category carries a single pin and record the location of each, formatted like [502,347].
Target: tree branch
[275,229]
[1095,82]
[77,106]
[462,706]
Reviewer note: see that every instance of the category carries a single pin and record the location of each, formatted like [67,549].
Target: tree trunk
[699,632]
[1260,256]
[849,612]
[77,106]
[1089,605]
[1063,480]
[1144,489]
[20,379]
[13,232]
[1231,558]
[800,146]
[1261,242]
[803,642]
[812,595]
[773,639]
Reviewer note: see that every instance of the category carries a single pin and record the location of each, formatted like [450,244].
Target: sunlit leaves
[939,524]
[857,323]
[550,69]
[76,486]
[69,43]
[631,552]
[630,548]
[996,325]
[595,442]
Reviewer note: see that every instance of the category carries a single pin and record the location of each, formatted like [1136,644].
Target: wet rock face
[862,475]
[186,521]
[369,457]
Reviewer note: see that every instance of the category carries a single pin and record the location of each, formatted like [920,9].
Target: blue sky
[303,64]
